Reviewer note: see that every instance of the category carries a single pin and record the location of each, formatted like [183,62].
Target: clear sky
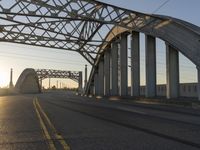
[20,57]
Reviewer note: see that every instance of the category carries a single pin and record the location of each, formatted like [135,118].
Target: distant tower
[11,78]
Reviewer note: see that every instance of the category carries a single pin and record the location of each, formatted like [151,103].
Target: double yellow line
[42,116]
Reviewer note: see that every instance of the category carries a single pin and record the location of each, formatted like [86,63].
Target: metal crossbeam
[50,73]
[76,25]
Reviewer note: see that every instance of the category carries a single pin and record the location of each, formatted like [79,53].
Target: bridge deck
[85,123]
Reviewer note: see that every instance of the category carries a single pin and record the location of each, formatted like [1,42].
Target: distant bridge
[30,80]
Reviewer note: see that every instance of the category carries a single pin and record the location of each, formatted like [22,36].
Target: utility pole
[57,84]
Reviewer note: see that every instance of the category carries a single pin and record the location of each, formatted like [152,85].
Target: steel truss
[49,73]
[76,25]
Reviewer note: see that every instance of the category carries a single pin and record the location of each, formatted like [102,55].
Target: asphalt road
[62,120]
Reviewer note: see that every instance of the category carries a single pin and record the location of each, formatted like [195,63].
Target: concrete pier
[92,90]
[107,73]
[172,72]
[96,84]
[135,64]
[123,66]
[101,77]
[198,70]
[85,82]
[114,76]
[150,43]
[80,82]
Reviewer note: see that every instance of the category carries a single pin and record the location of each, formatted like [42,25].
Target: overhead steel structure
[98,31]
[50,73]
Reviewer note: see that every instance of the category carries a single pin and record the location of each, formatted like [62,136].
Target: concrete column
[49,83]
[40,82]
[135,64]
[198,84]
[150,43]
[80,82]
[96,84]
[101,78]
[123,66]
[172,72]
[85,82]
[91,90]
[114,76]
[107,73]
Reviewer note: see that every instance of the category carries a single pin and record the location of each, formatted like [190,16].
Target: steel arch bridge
[91,28]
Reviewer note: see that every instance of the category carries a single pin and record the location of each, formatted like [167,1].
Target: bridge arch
[182,35]
[28,82]
[179,36]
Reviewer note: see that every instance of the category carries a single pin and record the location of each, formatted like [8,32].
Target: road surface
[63,121]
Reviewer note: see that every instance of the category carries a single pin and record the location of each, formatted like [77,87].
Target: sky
[20,57]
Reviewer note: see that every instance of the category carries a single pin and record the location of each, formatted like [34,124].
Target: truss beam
[50,73]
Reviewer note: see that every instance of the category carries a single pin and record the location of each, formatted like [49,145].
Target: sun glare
[3,80]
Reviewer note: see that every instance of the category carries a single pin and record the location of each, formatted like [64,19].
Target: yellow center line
[57,135]
[44,129]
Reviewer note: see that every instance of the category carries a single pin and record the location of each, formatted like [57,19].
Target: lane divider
[57,136]
[45,132]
